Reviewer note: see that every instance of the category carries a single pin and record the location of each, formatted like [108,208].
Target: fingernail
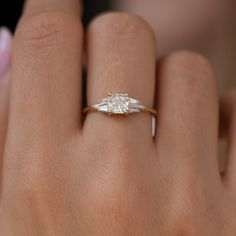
[5,49]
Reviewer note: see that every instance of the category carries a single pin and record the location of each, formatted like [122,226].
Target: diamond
[118,103]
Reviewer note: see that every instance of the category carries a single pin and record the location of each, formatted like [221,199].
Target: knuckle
[33,192]
[121,24]
[113,193]
[193,212]
[33,177]
[47,29]
[195,66]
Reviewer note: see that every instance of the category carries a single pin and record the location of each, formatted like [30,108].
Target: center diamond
[118,103]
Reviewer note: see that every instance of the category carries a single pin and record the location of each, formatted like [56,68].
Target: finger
[228,128]
[121,59]
[187,99]
[46,71]
[5,55]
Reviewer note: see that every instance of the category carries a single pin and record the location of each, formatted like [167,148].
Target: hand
[106,176]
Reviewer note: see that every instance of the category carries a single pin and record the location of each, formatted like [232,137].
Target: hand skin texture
[62,176]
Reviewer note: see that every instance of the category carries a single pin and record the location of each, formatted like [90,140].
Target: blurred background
[10,11]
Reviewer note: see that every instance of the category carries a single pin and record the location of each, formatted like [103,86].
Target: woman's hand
[106,176]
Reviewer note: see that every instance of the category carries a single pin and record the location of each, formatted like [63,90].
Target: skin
[105,175]
[205,26]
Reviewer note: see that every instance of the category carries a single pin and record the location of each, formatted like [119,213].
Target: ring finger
[121,59]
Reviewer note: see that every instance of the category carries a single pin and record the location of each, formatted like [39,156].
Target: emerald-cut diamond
[118,103]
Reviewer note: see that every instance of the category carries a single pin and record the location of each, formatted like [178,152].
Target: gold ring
[121,104]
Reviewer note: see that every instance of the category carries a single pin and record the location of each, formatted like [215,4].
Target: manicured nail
[5,49]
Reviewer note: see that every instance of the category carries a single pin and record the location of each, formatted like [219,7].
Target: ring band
[122,104]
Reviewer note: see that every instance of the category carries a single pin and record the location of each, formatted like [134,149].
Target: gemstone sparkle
[118,103]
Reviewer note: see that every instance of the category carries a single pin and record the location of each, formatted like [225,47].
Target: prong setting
[119,103]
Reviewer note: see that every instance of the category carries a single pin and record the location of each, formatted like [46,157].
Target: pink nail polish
[5,49]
